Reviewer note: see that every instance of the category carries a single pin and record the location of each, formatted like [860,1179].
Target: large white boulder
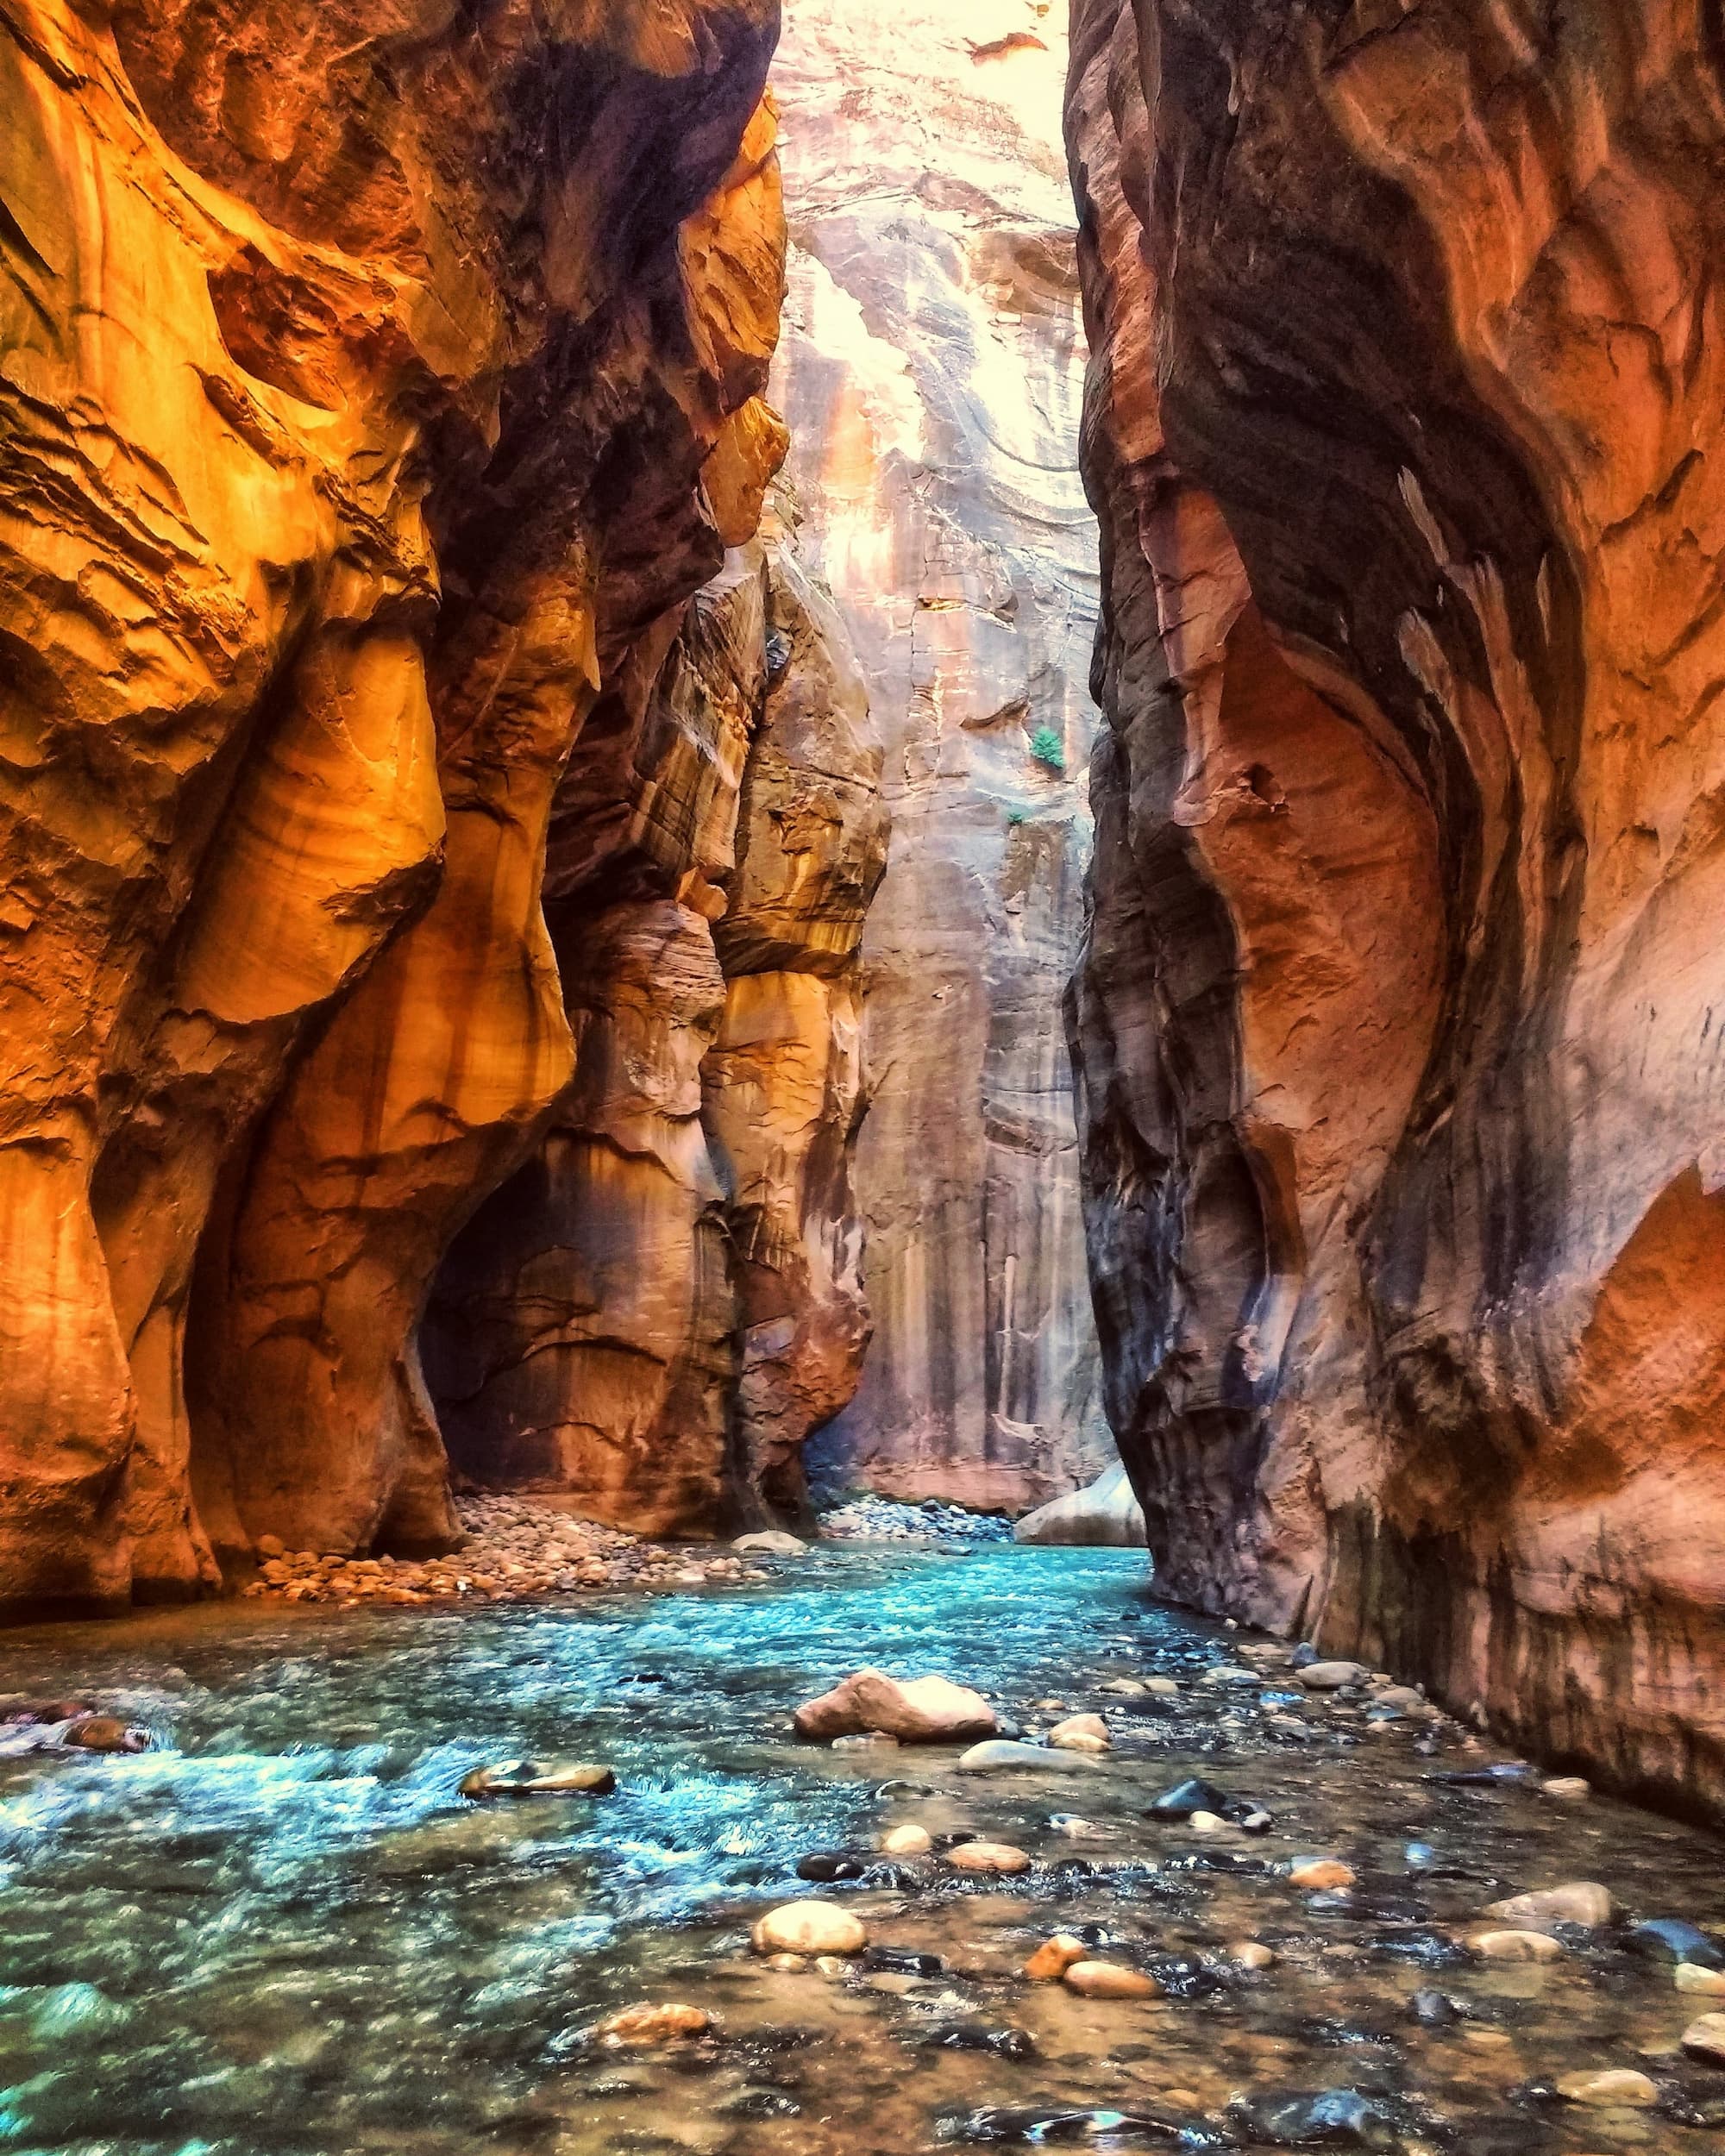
[1104,1513]
[928,1710]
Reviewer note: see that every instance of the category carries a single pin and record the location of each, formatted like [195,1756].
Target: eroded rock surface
[932,370]
[1398,1026]
[379,383]
[654,1312]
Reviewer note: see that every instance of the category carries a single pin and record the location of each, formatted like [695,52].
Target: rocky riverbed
[516,1549]
[1169,1888]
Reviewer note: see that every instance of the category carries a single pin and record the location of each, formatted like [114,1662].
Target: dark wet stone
[1187,1798]
[1182,1978]
[999,2043]
[1331,2118]
[1231,1861]
[824,1865]
[1684,2108]
[1674,1939]
[1239,1809]
[900,1878]
[1434,2009]
[1508,1773]
[1427,1949]
[1037,2127]
[1431,1864]
[899,1787]
[902,1962]
[1334,2035]
[1304,1656]
[760,2103]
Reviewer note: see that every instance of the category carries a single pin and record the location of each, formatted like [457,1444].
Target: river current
[282,1931]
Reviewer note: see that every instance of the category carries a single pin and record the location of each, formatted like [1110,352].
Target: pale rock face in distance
[931,369]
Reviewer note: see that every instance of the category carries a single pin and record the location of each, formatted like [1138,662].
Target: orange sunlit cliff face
[1398,1026]
[379,386]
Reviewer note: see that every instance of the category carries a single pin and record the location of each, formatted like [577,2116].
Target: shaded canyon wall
[379,383]
[930,370]
[1402,1092]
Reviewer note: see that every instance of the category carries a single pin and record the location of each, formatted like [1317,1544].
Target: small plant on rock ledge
[1045,746]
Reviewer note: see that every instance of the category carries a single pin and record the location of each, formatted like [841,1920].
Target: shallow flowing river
[282,1929]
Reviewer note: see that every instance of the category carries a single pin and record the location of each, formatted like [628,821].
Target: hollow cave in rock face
[861,1256]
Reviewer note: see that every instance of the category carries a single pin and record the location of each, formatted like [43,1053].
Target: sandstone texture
[1104,1513]
[379,384]
[1402,1095]
[923,1710]
[932,372]
[654,1312]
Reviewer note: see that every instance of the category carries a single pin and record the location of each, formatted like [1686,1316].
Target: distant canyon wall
[1398,1026]
[932,371]
[386,823]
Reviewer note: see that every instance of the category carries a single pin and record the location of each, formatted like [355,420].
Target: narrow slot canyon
[861,1256]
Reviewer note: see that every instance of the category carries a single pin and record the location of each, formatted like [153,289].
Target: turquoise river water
[282,1931]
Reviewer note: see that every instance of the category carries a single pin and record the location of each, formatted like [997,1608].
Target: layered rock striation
[652,1315]
[932,371]
[1401,1093]
[378,385]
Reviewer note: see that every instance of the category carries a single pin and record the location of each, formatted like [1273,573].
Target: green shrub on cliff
[1045,746]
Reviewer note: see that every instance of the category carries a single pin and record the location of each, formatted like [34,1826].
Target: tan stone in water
[1609,2087]
[987,1856]
[1690,1976]
[809,1927]
[1321,1874]
[1576,1902]
[1512,1945]
[1108,1980]
[1054,1956]
[1250,1953]
[909,1840]
[923,1710]
[1081,1733]
[642,2026]
[1705,2038]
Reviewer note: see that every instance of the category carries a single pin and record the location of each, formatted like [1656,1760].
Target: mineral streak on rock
[932,371]
[1398,1026]
[379,383]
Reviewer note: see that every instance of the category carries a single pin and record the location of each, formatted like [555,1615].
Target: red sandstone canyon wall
[380,381]
[1402,1090]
